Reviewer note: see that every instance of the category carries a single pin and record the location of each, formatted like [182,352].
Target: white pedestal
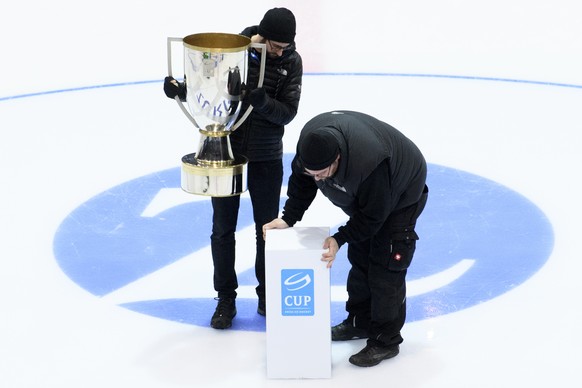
[298,304]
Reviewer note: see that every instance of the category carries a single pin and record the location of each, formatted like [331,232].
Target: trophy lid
[217,42]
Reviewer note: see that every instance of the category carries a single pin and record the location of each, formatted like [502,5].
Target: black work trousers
[376,282]
[264,186]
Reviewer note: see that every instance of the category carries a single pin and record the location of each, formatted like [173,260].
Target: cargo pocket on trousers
[402,248]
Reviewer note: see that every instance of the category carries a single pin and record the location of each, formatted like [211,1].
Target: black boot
[374,353]
[262,306]
[224,313]
[346,331]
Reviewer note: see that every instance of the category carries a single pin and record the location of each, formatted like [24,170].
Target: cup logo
[297,292]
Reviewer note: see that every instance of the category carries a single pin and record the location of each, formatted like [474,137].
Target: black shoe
[373,354]
[262,307]
[345,331]
[224,313]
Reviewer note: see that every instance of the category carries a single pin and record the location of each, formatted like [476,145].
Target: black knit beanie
[318,150]
[278,24]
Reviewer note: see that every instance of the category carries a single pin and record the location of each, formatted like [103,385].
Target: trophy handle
[263,48]
[180,103]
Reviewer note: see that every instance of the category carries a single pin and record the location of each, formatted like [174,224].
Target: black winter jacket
[260,136]
[380,171]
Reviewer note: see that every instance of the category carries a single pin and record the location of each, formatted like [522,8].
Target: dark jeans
[377,279]
[264,186]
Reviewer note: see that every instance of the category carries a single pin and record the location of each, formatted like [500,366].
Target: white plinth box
[298,304]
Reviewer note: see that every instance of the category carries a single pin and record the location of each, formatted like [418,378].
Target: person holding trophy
[260,140]
[377,177]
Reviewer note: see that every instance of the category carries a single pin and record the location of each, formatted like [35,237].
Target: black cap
[318,149]
[278,24]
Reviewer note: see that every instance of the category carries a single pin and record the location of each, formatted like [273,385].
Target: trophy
[215,68]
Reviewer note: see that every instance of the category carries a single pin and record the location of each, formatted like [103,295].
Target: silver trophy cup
[215,68]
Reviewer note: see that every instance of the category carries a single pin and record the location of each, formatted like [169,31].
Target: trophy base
[214,181]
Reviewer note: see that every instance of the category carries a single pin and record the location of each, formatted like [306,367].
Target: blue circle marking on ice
[478,240]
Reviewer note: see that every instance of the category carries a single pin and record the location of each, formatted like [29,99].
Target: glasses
[321,175]
[276,47]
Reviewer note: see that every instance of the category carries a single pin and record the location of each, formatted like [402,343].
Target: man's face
[275,49]
[325,173]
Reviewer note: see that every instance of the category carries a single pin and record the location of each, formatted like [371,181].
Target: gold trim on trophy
[216,42]
[216,171]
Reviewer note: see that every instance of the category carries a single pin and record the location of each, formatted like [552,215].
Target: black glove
[258,98]
[173,88]
[234,83]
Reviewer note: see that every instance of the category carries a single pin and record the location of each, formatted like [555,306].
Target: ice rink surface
[90,149]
